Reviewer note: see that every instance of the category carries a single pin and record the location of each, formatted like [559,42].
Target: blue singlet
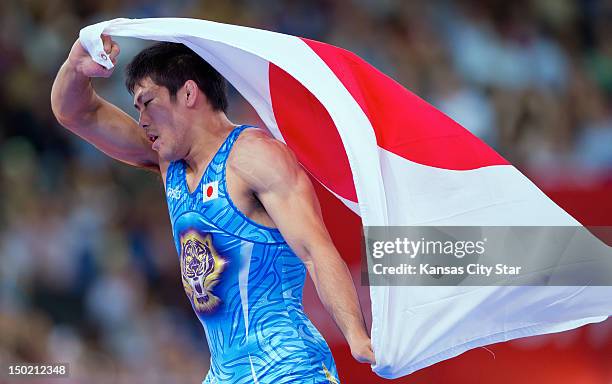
[245,285]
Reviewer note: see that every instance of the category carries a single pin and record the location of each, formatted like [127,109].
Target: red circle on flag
[209,191]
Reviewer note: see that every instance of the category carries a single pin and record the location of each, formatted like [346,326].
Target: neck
[207,136]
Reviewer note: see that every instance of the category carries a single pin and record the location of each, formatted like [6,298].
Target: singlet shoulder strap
[218,162]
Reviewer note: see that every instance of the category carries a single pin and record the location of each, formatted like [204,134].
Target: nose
[143,121]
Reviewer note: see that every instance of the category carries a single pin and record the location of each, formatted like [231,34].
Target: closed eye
[147,102]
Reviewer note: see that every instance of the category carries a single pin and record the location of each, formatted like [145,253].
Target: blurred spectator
[467,105]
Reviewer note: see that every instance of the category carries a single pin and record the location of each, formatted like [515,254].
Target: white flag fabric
[393,159]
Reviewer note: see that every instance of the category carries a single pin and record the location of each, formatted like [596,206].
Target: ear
[191,93]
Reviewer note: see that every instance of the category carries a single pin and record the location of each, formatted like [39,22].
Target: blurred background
[88,271]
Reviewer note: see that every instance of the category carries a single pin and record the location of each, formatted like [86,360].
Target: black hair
[171,65]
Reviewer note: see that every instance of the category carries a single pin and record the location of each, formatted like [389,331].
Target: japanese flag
[210,191]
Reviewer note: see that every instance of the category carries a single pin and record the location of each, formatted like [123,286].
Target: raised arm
[78,108]
[288,196]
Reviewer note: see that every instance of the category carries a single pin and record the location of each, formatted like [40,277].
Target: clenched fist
[361,350]
[82,62]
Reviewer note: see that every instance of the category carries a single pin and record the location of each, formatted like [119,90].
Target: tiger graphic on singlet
[245,285]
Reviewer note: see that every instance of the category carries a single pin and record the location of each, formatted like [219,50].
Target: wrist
[74,66]
[74,62]
[357,337]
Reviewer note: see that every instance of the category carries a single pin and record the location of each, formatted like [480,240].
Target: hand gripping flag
[393,159]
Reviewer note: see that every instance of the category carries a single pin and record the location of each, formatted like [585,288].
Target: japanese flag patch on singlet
[210,191]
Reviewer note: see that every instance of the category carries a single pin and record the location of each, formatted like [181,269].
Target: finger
[371,357]
[366,359]
[114,52]
[107,41]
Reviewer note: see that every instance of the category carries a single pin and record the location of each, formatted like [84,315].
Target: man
[245,218]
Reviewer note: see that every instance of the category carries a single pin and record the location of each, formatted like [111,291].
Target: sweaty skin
[188,128]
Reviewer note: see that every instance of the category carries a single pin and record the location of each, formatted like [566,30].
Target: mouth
[152,138]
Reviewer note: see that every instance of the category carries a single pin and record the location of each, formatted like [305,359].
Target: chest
[210,192]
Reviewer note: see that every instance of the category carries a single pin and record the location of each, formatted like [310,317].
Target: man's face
[160,119]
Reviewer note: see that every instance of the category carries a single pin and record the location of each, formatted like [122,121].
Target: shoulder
[259,147]
[261,159]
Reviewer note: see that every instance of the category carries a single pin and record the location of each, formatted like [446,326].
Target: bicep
[117,134]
